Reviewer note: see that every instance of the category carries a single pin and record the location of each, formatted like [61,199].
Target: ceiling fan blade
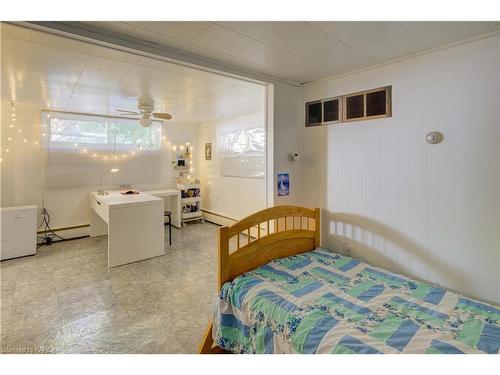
[131,112]
[163,116]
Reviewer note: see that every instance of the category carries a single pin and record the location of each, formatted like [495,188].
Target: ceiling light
[11,125]
[145,120]
[25,140]
[9,139]
[7,150]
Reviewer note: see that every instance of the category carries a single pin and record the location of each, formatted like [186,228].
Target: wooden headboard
[272,233]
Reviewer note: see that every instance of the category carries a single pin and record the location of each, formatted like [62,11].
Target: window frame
[339,101]
[388,104]
[309,125]
[323,122]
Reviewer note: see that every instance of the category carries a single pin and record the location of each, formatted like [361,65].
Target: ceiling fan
[146,114]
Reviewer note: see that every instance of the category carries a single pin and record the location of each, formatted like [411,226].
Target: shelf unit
[190,202]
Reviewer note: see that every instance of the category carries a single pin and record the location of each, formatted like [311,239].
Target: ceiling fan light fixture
[145,121]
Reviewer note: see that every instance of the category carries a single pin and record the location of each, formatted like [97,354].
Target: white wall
[286,137]
[429,211]
[24,169]
[233,197]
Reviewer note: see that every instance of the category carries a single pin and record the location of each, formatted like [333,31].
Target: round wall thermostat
[434,138]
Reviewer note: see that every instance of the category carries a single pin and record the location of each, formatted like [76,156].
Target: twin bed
[279,292]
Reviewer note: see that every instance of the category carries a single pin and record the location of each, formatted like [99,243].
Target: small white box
[18,231]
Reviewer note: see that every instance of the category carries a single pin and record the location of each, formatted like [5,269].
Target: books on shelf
[191,201]
[190,193]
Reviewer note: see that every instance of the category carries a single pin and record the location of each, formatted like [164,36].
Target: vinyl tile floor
[66,300]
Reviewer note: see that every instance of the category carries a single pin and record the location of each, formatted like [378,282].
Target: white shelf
[191,215]
[196,215]
[188,186]
[191,199]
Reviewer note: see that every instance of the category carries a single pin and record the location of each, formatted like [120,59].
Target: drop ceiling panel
[107,65]
[220,39]
[379,40]
[254,29]
[14,48]
[435,34]
[184,31]
[54,56]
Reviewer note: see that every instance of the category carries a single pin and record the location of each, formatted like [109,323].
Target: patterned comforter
[321,302]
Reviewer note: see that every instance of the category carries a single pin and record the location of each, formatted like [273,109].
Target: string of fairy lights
[15,133]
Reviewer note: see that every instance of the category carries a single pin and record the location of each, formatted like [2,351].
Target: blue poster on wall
[283,184]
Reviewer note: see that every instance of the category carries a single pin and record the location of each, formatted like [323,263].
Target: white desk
[175,208]
[133,223]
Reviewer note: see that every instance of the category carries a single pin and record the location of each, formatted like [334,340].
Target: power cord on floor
[48,234]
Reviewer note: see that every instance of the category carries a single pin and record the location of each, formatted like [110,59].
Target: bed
[279,292]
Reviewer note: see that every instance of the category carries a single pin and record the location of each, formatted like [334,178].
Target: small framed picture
[283,184]
[208,151]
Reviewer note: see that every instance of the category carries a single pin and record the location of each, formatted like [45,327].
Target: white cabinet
[190,202]
[18,231]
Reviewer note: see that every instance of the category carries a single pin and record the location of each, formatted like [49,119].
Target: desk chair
[169,215]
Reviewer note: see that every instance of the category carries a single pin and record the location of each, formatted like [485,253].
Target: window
[243,153]
[323,111]
[365,105]
[331,110]
[376,103]
[354,107]
[314,113]
[67,131]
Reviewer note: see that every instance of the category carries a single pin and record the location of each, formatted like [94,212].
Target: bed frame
[273,233]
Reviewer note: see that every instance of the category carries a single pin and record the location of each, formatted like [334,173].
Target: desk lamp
[100,191]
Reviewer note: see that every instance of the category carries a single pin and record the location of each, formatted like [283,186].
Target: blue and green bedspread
[321,302]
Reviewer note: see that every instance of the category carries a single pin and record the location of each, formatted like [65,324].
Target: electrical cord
[49,235]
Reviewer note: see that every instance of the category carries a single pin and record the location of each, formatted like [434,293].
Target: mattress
[322,302]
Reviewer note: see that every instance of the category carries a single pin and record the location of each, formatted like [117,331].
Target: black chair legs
[169,215]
